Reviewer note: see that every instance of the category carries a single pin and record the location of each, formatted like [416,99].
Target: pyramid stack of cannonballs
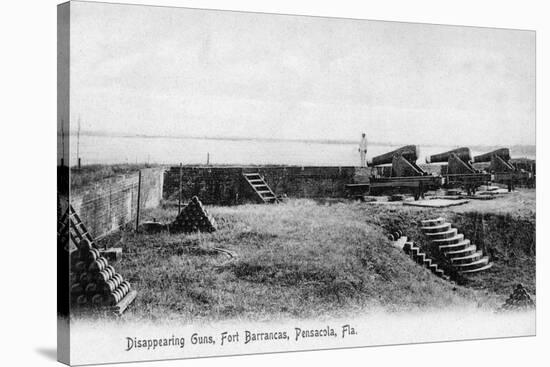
[193,218]
[96,283]
[518,300]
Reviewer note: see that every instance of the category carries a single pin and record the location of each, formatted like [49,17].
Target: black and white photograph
[234,182]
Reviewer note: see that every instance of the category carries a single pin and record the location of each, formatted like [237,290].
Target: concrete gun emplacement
[459,172]
[405,176]
[502,169]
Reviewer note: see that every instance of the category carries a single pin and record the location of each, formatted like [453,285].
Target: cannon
[503,154]
[463,154]
[402,160]
[404,175]
[459,172]
[501,168]
[408,152]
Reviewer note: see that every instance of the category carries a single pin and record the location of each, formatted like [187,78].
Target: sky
[176,71]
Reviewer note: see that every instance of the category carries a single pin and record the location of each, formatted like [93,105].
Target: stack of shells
[395,235]
[518,300]
[193,218]
[93,281]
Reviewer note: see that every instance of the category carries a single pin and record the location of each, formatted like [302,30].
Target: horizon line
[245,138]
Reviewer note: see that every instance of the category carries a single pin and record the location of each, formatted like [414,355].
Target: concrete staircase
[463,255]
[421,258]
[417,255]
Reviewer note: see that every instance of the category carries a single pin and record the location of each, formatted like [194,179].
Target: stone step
[400,243]
[488,266]
[449,241]
[441,235]
[438,228]
[460,245]
[422,258]
[462,252]
[467,259]
[419,256]
[474,264]
[432,222]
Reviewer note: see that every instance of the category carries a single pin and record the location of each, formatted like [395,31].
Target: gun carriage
[502,169]
[403,176]
[459,172]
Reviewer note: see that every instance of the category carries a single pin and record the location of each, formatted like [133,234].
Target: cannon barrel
[409,152]
[503,153]
[462,153]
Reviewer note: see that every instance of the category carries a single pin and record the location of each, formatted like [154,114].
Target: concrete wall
[112,203]
[226,186]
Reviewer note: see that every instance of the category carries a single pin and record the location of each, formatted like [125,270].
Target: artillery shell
[124,288]
[109,286]
[110,299]
[110,270]
[103,276]
[128,286]
[118,295]
[93,255]
[98,265]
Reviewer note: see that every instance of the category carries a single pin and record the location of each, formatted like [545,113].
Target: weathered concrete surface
[226,185]
[112,203]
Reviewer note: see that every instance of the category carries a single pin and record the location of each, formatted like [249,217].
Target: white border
[28,84]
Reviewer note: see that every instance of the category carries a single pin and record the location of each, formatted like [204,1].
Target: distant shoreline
[530,148]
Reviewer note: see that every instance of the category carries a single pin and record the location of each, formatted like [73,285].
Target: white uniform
[363,151]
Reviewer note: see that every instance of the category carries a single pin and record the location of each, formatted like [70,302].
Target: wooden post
[179,193]
[138,200]
[207,159]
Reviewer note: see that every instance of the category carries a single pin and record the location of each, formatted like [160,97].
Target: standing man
[363,150]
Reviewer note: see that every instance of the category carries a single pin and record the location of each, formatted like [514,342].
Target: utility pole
[138,200]
[62,144]
[179,193]
[78,143]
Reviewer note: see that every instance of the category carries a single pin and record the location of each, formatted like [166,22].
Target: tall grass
[297,259]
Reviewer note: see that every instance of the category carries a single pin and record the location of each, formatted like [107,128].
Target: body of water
[110,150]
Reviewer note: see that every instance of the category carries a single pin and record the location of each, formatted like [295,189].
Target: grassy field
[301,259]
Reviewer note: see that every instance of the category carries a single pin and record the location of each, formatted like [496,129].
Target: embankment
[508,239]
